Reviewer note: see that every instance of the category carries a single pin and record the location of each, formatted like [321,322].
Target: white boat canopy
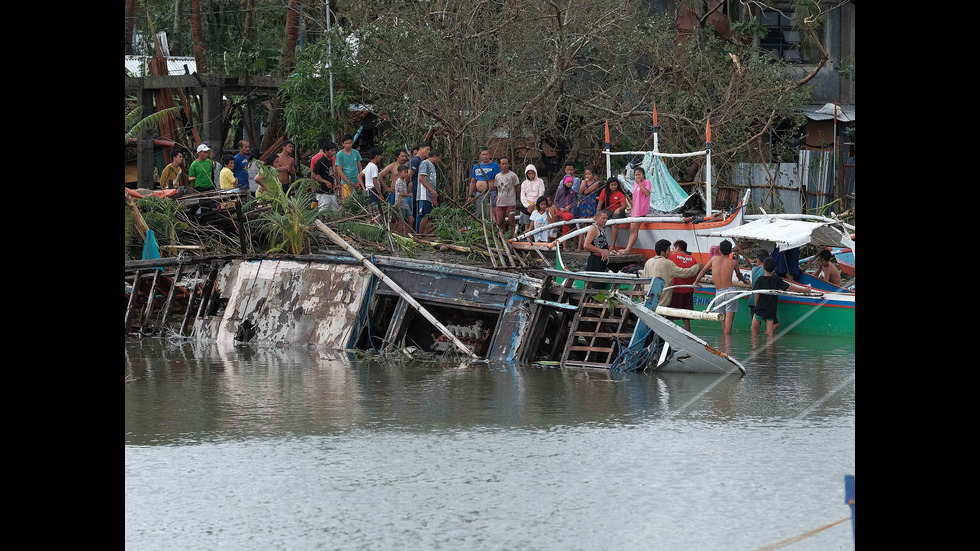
[788,234]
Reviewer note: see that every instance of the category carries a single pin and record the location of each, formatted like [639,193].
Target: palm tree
[198,36]
[135,126]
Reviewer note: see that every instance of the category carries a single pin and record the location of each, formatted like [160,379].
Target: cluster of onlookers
[517,203]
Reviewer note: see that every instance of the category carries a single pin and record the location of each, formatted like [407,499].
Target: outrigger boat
[680,216]
[829,310]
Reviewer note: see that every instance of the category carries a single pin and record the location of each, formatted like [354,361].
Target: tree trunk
[175,41]
[274,124]
[292,35]
[130,22]
[248,28]
[198,36]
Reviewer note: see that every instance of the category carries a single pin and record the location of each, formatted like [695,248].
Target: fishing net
[666,194]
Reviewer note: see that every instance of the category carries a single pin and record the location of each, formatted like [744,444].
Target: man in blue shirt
[787,263]
[483,173]
[241,166]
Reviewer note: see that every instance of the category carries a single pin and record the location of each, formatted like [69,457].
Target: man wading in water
[722,267]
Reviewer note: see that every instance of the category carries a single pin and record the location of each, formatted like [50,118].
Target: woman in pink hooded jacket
[531,188]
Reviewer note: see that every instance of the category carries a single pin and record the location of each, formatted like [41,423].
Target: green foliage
[160,215]
[750,29]
[222,24]
[135,126]
[456,226]
[378,234]
[306,91]
[289,223]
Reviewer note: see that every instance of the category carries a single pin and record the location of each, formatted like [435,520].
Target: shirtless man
[722,267]
[826,269]
[285,165]
[392,172]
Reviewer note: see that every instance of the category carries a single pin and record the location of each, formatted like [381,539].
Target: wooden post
[170,296]
[190,304]
[150,296]
[240,223]
[213,111]
[132,299]
[145,159]
[395,287]
[206,292]
[396,325]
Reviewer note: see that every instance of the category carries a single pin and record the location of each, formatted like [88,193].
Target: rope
[803,536]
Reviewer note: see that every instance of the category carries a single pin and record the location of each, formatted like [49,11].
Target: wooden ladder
[601,327]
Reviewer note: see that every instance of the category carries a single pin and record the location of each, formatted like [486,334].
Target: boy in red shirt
[683,297]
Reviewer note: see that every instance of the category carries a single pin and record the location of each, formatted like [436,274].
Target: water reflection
[186,391]
[272,448]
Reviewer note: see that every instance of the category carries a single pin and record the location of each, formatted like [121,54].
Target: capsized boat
[678,349]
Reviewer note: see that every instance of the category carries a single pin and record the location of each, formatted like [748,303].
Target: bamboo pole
[395,287]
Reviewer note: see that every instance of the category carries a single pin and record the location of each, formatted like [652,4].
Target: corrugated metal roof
[138,65]
[825,112]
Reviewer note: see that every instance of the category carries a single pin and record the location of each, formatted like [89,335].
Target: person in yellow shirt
[227,178]
[170,177]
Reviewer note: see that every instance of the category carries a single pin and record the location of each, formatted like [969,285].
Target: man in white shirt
[368,179]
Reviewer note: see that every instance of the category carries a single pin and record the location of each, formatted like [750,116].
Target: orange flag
[607,131]
[655,114]
[709,130]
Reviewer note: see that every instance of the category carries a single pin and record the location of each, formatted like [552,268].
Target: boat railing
[733,296]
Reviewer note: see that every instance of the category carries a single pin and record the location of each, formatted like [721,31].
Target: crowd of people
[516,205]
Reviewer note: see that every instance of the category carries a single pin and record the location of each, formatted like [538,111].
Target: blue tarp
[150,248]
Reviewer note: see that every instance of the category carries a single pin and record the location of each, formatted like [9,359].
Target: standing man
[170,177]
[347,165]
[722,268]
[323,174]
[481,175]
[201,169]
[391,171]
[682,297]
[420,155]
[570,171]
[661,266]
[507,185]
[368,179]
[320,143]
[285,165]
[241,166]
[428,196]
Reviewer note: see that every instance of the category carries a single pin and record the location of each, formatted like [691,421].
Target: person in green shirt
[201,169]
[348,166]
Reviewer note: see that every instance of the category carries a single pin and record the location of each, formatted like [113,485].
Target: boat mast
[608,156]
[656,131]
[707,179]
